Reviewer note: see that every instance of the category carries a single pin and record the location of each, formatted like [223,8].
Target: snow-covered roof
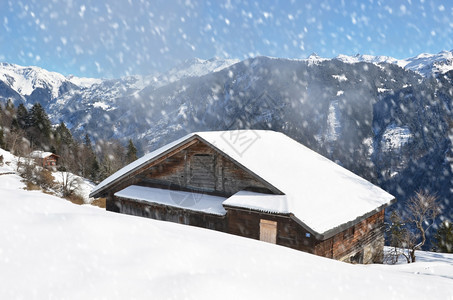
[319,193]
[40,154]
[263,202]
[135,165]
[187,200]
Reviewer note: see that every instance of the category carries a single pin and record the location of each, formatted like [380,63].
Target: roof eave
[102,191]
[255,210]
[332,232]
[171,206]
[317,235]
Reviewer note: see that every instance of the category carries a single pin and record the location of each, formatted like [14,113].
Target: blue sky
[98,38]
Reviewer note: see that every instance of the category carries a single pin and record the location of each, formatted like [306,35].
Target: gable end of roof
[185,142]
[141,163]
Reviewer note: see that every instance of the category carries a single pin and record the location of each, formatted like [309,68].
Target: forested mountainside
[387,123]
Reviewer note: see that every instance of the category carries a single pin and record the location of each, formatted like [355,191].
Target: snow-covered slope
[51,248]
[430,64]
[24,80]
[83,82]
[83,186]
[198,67]
[425,64]
[315,59]
[395,137]
[367,58]
[194,67]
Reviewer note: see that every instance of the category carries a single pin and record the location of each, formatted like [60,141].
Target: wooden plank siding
[200,168]
[171,214]
[134,176]
[246,223]
[48,161]
[362,243]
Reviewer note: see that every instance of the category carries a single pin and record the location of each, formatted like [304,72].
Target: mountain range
[385,119]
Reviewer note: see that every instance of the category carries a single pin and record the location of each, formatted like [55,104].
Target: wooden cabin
[44,159]
[257,184]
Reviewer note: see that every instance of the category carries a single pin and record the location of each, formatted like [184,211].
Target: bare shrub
[75,198]
[100,202]
[45,179]
[423,210]
[69,184]
[409,234]
[30,186]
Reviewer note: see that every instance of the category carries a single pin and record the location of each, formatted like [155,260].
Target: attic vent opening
[202,172]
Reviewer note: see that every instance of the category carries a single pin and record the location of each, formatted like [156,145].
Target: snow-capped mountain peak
[430,64]
[24,80]
[367,58]
[196,67]
[315,59]
[425,64]
[83,82]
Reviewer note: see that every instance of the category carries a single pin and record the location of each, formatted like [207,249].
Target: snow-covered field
[53,249]
[84,186]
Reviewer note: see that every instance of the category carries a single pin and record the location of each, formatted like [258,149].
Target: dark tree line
[23,131]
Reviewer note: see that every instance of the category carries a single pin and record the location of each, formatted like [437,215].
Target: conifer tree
[22,117]
[94,174]
[10,108]
[87,142]
[2,139]
[40,119]
[131,154]
[444,237]
[113,157]
[87,161]
[40,127]
[63,138]
[8,114]
[64,145]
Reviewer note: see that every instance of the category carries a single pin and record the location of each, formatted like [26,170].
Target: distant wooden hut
[44,159]
[256,184]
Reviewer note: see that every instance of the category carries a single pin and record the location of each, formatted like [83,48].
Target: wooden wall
[362,243]
[196,168]
[246,223]
[48,161]
[171,214]
[201,168]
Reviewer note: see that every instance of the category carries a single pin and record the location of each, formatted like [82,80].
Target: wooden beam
[162,158]
[145,166]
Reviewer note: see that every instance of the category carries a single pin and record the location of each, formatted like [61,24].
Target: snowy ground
[53,249]
[84,186]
